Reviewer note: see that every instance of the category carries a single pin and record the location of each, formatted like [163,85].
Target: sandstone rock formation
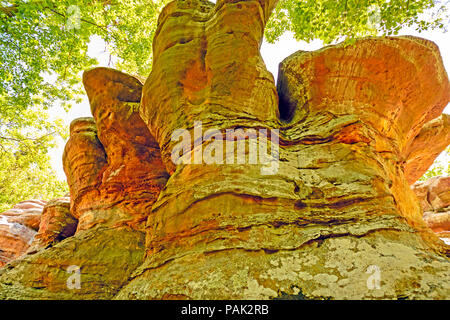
[33,225]
[18,227]
[347,120]
[332,203]
[111,161]
[134,174]
[27,213]
[439,222]
[432,139]
[434,196]
[84,158]
[439,193]
[56,224]
[115,173]
[208,68]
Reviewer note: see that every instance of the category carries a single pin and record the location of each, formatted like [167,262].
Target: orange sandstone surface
[356,126]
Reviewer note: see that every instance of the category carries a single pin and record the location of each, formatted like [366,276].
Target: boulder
[115,173]
[439,193]
[432,139]
[434,197]
[15,239]
[57,223]
[332,203]
[18,227]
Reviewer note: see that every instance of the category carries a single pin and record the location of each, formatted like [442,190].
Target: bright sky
[273,54]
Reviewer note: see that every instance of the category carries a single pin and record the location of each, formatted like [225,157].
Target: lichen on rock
[336,220]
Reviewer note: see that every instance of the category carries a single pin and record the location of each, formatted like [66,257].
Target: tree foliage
[25,172]
[439,167]
[331,20]
[44,49]
[46,37]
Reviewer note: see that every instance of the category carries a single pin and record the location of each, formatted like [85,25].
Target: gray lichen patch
[373,266]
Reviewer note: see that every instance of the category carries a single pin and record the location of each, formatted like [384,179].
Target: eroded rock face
[115,173]
[347,120]
[84,160]
[106,258]
[387,112]
[112,162]
[33,225]
[432,139]
[27,213]
[18,228]
[434,196]
[15,239]
[439,222]
[421,190]
[57,223]
[208,67]
[336,205]
[439,193]
[134,174]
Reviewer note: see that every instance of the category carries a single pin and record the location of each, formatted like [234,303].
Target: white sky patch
[272,54]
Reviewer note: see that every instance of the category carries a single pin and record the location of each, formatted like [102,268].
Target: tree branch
[104,28]
[9,11]
[29,139]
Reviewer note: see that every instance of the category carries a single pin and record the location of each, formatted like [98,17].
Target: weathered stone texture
[432,139]
[57,224]
[18,227]
[112,162]
[347,120]
[350,121]
[434,197]
[115,173]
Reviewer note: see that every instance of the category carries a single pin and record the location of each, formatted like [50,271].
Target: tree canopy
[44,49]
[24,160]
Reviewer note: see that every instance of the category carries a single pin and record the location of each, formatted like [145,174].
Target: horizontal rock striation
[434,196]
[115,173]
[134,175]
[18,227]
[57,224]
[338,203]
[325,207]
[432,139]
